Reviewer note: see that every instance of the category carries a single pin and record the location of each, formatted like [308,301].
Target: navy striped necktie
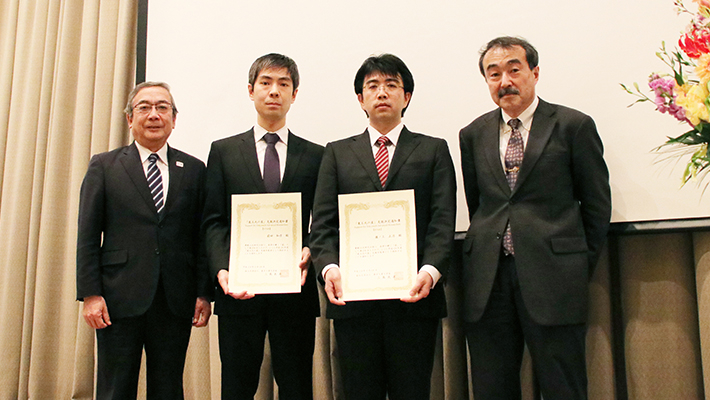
[155,182]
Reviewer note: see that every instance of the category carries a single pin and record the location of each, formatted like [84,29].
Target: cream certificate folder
[265,244]
[378,244]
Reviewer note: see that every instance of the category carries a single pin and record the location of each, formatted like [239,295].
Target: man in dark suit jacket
[140,269]
[236,166]
[556,206]
[386,347]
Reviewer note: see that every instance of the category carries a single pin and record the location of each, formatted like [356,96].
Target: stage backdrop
[204,50]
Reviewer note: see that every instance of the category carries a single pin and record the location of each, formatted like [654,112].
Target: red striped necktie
[382,159]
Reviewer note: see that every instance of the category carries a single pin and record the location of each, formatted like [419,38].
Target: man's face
[510,80]
[383,98]
[152,120]
[272,94]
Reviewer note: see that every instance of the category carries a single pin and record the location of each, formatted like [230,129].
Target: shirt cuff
[327,268]
[431,270]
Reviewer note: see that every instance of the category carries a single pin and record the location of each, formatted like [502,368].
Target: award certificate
[378,244]
[265,245]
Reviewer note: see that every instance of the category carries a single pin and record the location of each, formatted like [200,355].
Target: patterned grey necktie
[155,182]
[513,158]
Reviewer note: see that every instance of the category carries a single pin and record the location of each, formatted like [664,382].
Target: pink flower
[663,88]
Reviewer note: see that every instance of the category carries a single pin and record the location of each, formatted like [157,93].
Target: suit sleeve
[205,287]
[591,186]
[324,240]
[468,168]
[215,219]
[90,227]
[439,240]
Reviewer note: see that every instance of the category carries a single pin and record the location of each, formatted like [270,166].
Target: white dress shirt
[281,147]
[162,164]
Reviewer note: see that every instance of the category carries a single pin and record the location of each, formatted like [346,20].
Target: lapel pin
[179,164]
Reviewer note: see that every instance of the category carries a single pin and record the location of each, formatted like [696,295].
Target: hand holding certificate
[378,245]
[265,246]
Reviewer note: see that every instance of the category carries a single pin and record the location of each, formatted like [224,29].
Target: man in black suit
[236,165]
[386,347]
[140,269]
[538,197]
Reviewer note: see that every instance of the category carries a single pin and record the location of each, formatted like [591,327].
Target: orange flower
[702,69]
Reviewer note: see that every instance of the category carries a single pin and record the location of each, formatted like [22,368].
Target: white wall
[204,49]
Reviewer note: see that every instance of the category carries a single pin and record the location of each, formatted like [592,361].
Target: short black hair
[507,42]
[274,60]
[388,65]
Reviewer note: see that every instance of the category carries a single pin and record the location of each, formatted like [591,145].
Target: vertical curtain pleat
[56,59]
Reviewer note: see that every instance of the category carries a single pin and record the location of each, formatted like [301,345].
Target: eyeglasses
[389,87]
[146,108]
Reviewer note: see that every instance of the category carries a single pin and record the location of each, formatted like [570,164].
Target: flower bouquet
[685,93]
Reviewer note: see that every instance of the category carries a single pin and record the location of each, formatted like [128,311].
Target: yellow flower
[702,70]
[692,99]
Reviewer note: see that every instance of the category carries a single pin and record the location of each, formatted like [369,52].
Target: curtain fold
[66,68]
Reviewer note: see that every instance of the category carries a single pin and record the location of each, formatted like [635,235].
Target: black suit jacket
[124,248]
[420,162]
[233,168]
[559,212]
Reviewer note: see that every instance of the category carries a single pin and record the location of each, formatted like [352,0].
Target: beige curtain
[66,67]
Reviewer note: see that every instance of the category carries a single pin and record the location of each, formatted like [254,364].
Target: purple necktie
[272,169]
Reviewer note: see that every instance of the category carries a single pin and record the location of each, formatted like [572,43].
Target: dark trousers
[386,355]
[165,338]
[291,338]
[496,343]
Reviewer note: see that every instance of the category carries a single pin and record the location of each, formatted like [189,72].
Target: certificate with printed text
[265,245]
[378,244]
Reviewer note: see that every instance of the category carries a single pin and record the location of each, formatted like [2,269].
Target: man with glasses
[268,158]
[386,347]
[140,270]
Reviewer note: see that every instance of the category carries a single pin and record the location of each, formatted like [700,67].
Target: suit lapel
[293,158]
[131,161]
[406,144]
[247,149]
[362,148]
[491,146]
[176,170]
[540,132]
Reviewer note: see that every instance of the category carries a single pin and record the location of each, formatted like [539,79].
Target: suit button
[157,251]
[498,236]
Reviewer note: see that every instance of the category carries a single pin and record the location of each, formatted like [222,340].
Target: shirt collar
[259,133]
[525,117]
[145,152]
[393,135]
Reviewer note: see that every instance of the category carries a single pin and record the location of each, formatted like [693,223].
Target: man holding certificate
[385,342]
[245,233]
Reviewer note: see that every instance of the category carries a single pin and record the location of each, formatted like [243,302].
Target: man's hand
[203,310]
[334,286]
[223,279]
[421,288]
[95,312]
[303,265]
